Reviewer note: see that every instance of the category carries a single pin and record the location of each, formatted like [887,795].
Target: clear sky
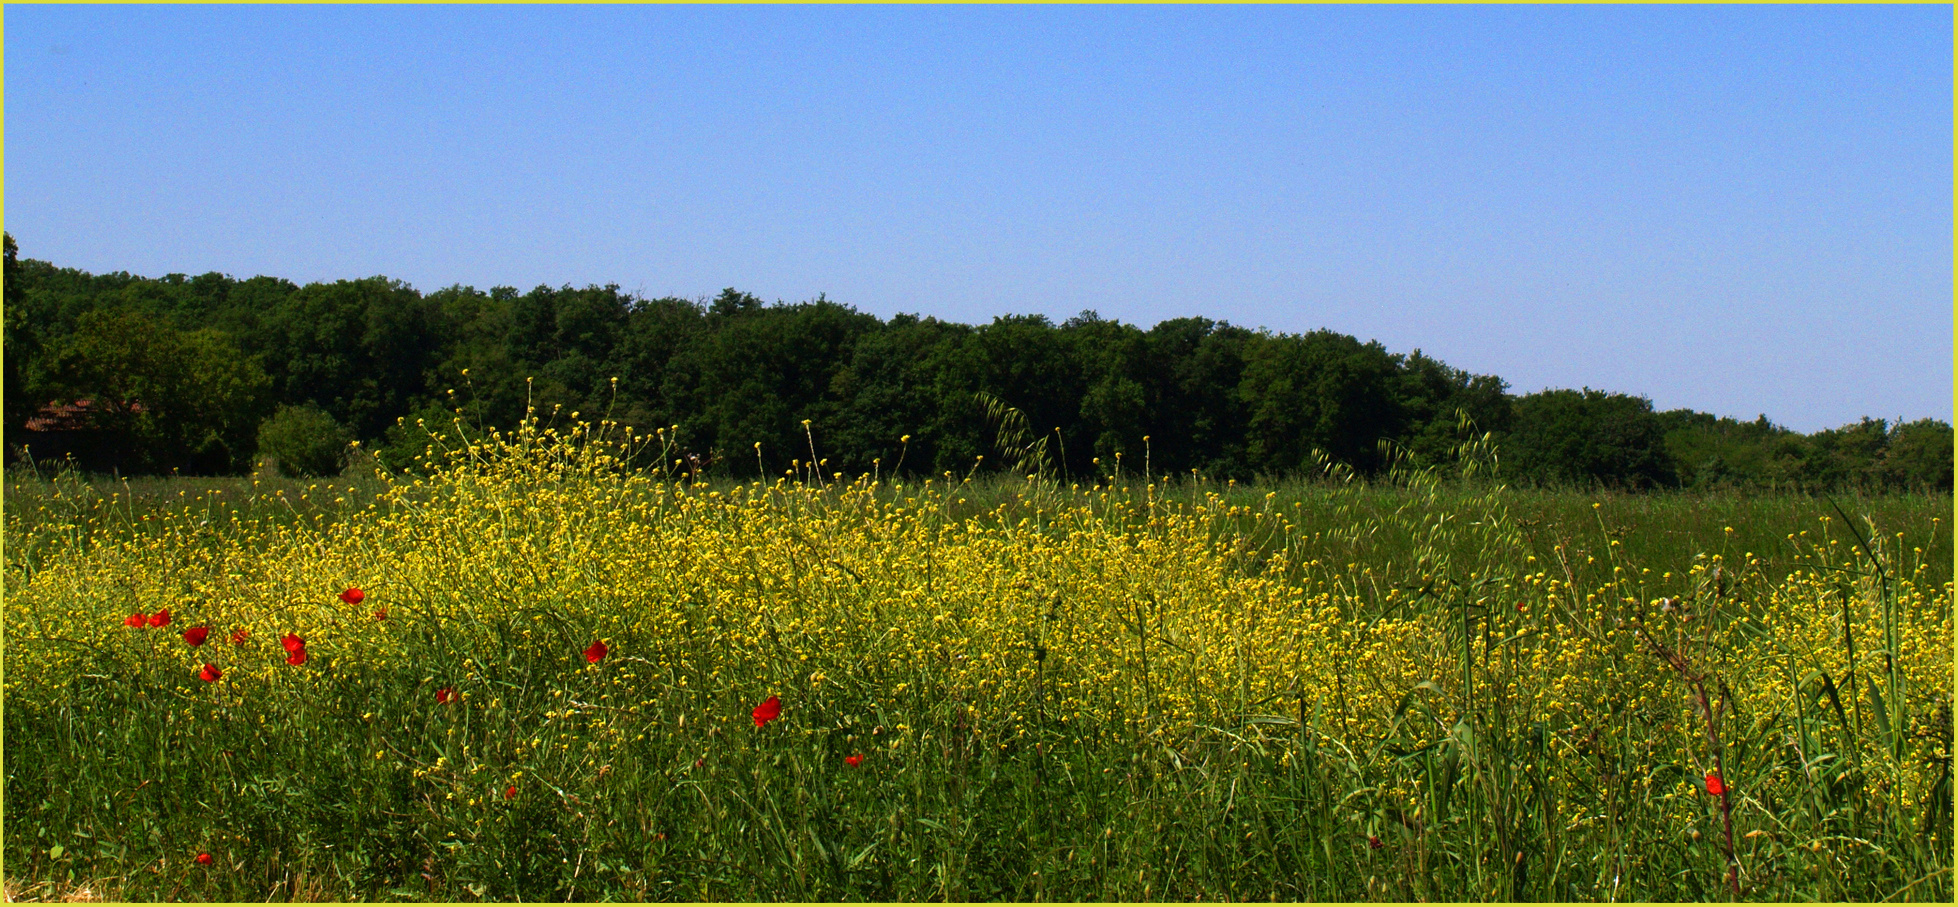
[1740,210]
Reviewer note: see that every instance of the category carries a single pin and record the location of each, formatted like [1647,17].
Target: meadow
[530,673]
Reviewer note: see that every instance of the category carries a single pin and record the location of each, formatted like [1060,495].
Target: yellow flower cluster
[1071,608]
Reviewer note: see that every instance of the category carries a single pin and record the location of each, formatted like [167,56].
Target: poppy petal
[352,595]
[293,643]
[298,657]
[160,618]
[596,652]
[196,635]
[139,619]
[210,674]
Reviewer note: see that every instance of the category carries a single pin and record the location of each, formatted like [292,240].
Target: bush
[305,441]
[1919,455]
[1589,437]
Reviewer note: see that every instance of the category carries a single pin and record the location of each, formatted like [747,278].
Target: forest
[213,375]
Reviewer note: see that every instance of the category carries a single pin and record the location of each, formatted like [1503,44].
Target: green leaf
[1882,713]
[861,854]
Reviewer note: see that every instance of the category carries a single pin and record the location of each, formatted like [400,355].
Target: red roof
[67,416]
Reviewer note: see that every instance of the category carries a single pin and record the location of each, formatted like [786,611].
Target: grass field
[561,680]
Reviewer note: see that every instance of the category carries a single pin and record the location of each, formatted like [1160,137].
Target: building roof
[71,416]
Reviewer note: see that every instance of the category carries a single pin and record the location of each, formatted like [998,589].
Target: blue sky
[1740,210]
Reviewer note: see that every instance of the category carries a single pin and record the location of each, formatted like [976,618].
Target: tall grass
[1131,687]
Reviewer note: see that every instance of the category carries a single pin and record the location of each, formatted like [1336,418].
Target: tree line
[210,374]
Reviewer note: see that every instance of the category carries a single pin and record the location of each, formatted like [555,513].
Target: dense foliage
[180,371]
[304,442]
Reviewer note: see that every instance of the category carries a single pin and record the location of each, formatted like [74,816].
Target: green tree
[362,350]
[305,442]
[1024,363]
[165,399]
[891,390]
[1117,393]
[565,339]
[240,308]
[1430,393]
[1919,456]
[754,372]
[1588,437]
[655,332]
[476,361]
[20,345]
[1720,452]
[1322,391]
[1846,457]
[1194,367]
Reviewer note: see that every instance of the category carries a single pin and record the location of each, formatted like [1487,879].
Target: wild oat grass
[1130,687]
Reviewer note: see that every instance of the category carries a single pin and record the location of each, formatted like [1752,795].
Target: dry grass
[300,889]
[60,892]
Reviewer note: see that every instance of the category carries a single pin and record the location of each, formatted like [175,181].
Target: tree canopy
[180,372]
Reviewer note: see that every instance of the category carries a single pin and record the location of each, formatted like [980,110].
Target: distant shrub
[305,441]
[1589,437]
[1919,455]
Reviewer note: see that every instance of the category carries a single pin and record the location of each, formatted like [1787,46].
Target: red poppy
[1373,842]
[1714,785]
[509,792]
[196,635]
[446,695]
[239,636]
[210,674]
[596,652]
[160,618]
[853,761]
[353,595]
[768,711]
[298,656]
[138,619]
[203,859]
[381,614]
[293,643]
